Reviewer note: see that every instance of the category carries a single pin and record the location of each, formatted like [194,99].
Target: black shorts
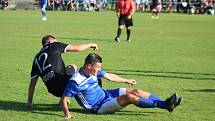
[92,4]
[70,70]
[123,20]
[57,85]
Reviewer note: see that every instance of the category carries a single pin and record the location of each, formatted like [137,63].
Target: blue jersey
[87,91]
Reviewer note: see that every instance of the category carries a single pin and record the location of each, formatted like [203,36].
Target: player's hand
[129,16]
[29,105]
[131,82]
[117,14]
[68,116]
[94,46]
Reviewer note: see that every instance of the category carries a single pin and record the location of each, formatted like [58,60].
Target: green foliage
[173,54]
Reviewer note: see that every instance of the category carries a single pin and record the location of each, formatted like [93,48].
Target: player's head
[48,39]
[93,63]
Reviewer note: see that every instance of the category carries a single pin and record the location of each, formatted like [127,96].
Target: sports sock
[151,102]
[154,97]
[146,103]
[157,101]
[128,33]
[118,32]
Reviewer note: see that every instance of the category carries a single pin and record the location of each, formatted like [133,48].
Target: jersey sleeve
[34,74]
[101,74]
[132,7]
[61,46]
[71,89]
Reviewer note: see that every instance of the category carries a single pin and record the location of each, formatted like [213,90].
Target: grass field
[173,54]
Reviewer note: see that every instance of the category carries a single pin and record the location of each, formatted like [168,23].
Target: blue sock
[154,97]
[157,101]
[146,103]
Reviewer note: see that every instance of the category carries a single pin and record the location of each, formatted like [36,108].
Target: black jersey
[49,65]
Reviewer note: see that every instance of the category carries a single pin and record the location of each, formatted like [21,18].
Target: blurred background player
[141,5]
[155,8]
[44,4]
[124,10]
[138,5]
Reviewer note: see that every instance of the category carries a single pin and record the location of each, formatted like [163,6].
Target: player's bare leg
[138,92]
[127,99]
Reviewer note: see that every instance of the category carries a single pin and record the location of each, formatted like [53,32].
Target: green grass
[173,54]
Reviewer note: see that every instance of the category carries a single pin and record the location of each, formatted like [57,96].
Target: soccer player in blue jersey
[44,4]
[83,85]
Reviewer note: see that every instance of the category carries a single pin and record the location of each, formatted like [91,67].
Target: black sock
[118,32]
[128,33]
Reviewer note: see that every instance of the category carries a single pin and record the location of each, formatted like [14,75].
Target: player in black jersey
[155,8]
[49,65]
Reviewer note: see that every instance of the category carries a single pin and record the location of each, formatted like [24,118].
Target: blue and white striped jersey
[86,90]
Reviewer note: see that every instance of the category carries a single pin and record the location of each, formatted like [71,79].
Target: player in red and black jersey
[49,65]
[124,10]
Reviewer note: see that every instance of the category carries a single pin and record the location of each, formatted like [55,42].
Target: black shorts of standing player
[124,20]
[57,85]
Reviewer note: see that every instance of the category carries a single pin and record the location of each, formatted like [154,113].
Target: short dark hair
[46,38]
[92,58]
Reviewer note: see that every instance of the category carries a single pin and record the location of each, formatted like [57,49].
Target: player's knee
[136,91]
[120,27]
[141,93]
[131,98]
[43,10]
[128,28]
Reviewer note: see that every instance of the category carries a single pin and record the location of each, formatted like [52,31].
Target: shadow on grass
[47,109]
[70,38]
[202,90]
[165,74]
[144,113]
[37,108]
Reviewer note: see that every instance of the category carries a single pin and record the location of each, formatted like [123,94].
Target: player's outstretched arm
[81,47]
[116,78]
[31,92]
[49,3]
[67,114]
